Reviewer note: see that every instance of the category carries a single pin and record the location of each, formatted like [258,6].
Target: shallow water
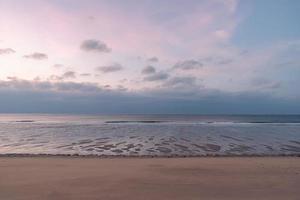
[161,135]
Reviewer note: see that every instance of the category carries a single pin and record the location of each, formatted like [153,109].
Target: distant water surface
[153,135]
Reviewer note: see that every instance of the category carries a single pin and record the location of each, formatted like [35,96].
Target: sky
[150,56]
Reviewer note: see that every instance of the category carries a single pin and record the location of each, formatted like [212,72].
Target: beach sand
[63,178]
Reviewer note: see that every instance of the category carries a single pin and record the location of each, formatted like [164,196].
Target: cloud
[225,61]
[121,88]
[187,65]
[36,56]
[182,82]
[15,83]
[58,65]
[222,34]
[157,77]
[85,74]
[217,60]
[20,95]
[153,59]
[263,83]
[7,51]
[94,46]
[172,33]
[110,68]
[92,18]
[55,78]
[66,75]
[148,70]
[76,87]
[69,74]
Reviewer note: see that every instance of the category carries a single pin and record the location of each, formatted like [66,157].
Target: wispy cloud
[85,74]
[110,68]
[157,77]
[181,82]
[153,59]
[64,76]
[188,65]
[58,65]
[37,85]
[69,74]
[36,56]
[263,83]
[7,51]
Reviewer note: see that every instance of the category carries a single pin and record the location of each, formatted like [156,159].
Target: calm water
[161,135]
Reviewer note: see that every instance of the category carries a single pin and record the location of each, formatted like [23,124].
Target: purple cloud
[7,51]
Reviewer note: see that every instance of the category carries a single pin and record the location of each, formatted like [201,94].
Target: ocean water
[151,135]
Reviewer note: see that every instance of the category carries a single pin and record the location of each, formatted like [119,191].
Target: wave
[199,122]
[25,121]
[140,121]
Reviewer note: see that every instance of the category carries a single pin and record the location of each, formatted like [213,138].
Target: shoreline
[17,155]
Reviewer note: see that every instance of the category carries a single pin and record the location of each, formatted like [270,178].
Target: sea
[149,135]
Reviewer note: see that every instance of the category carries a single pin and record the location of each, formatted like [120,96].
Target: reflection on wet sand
[149,139]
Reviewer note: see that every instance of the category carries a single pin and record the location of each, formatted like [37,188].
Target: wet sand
[63,178]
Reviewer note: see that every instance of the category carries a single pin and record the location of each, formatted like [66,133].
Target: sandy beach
[62,178]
